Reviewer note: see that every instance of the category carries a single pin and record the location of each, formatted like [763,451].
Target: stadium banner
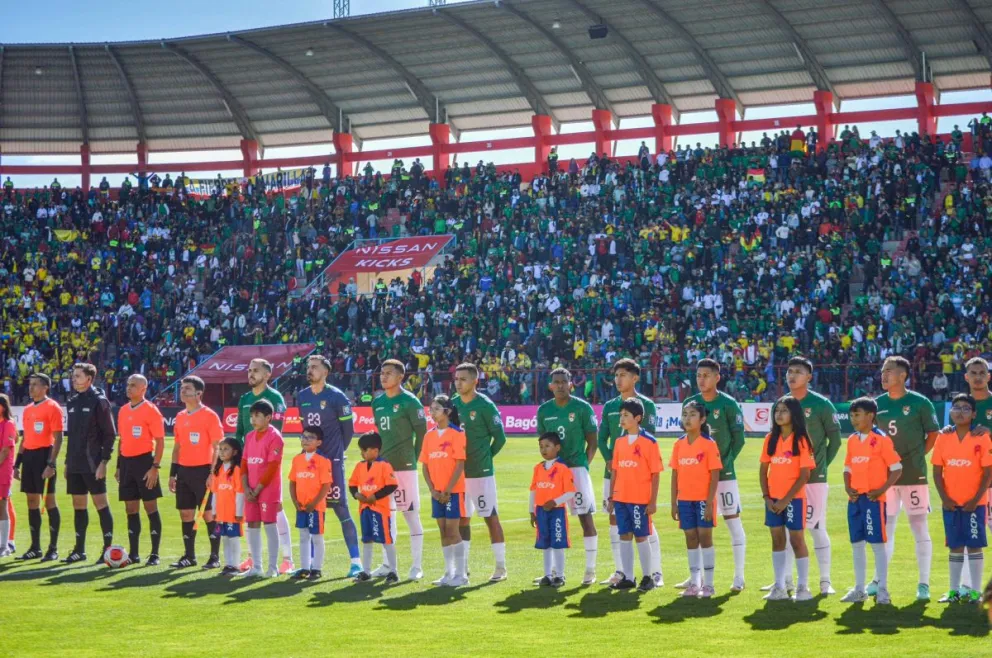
[204,187]
[400,254]
[229,365]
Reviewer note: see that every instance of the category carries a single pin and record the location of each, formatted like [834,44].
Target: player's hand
[609,506]
[947,505]
[708,514]
[549,505]
[445,497]
[675,512]
[172,485]
[436,495]
[49,472]
[239,519]
[17,473]
[533,520]
[652,508]
[151,477]
[947,429]
[980,430]
[970,506]
[250,495]
[852,495]
[876,494]
[770,504]
[210,482]
[117,476]
[101,472]
[308,508]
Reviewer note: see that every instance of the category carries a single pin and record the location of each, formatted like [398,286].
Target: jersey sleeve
[650,420]
[929,418]
[832,428]
[806,455]
[460,445]
[422,455]
[567,481]
[533,477]
[889,454]
[156,423]
[292,470]
[736,429]
[588,420]
[540,420]
[55,418]
[216,430]
[847,456]
[937,456]
[276,445]
[353,480]
[346,418]
[603,438]
[418,420]
[713,461]
[673,462]
[654,459]
[244,422]
[495,426]
[765,457]
[279,407]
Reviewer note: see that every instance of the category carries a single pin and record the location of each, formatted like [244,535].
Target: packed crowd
[744,254]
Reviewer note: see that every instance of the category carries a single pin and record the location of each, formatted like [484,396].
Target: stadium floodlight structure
[342,8]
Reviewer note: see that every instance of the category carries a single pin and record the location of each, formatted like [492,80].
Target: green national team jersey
[908,420]
[984,417]
[402,425]
[484,436]
[726,421]
[572,423]
[609,425]
[824,432]
[244,410]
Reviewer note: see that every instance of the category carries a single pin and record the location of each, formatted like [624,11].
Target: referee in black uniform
[90,435]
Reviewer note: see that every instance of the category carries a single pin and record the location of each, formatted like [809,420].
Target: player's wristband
[158,466]
[18,460]
[174,470]
[51,465]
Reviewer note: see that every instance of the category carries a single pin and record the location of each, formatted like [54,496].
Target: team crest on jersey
[808,412]
[396,408]
[323,404]
[571,418]
[471,415]
[988,414]
[905,411]
[716,414]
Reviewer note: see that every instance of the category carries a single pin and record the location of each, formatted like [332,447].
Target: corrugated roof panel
[297,137]
[489,106]
[287,125]
[621,94]
[959,64]
[104,146]
[634,109]
[869,72]
[198,143]
[978,80]
[777,97]
[690,88]
[574,98]
[571,114]
[692,103]
[874,89]
[860,57]
[759,82]
[398,114]
[488,122]
[873,25]
[392,130]
[29,144]
[758,67]
[182,130]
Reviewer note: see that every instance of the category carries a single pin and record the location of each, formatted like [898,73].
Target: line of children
[551,486]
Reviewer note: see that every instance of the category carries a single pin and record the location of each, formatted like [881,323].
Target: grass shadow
[604,601]
[275,589]
[88,574]
[881,620]
[685,608]
[963,620]
[536,598]
[425,597]
[34,573]
[140,579]
[355,593]
[780,615]
[198,588]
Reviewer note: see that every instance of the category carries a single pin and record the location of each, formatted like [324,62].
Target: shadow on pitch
[198,588]
[537,598]
[684,608]
[425,597]
[959,619]
[779,615]
[354,593]
[275,589]
[89,574]
[15,573]
[603,602]
[141,579]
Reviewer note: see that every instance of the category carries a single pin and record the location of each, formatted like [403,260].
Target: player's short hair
[902,362]
[41,377]
[195,381]
[801,361]
[550,436]
[629,365]
[370,440]
[976,360]
[470,368]
[323,360]
[967,399]
[263,407]
[562,371]
[315,430]
[138,377]
[709,364]
[88,369]
[395,363]
[265,364]
[633,406]
[866,404]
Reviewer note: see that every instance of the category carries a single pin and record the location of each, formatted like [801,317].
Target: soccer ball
[116,557]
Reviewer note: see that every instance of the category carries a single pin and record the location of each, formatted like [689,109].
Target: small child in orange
[309,483]
[551,487]
[372,483]
[228,501]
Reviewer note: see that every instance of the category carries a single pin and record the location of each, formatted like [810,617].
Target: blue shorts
[691,515]
[552,528]
[866,520]
[792,517]
[311,521]
[375,527]
[453,509]
[228,530]
[965,529]
[632,518]
[335,496]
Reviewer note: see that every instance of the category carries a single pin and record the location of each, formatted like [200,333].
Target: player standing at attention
[574,421]
[261,478]
[443,457]
[551,486]
[626,374]
[633,495]
[786,462]
[198,430]
[228,503]
[371,484]
[484,439]
[142,430]
[696,470]
[399,418]
[41,442]
[962,472]
[871,467]
[327,407]
[726,421]
[8,446]
[909,418]
[976,374]
[259,374]
[309,482]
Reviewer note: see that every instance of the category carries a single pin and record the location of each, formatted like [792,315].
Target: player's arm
[457,473]
[430,483]
[763,481]
[279,417]
[852,495]
[495,428]
[108,435]
[325,489]
[736,432]
[603,443]
[292,495]
[346,418]
[650,420]
[244,421]
[796,486]
[174,466]
[655,481]
[711,494]
[419,422]
[833,433]
[532,506]
[938,482]
[589,430]
[931,441]
[982,488]
[930,425]
[249,492]
[675,492]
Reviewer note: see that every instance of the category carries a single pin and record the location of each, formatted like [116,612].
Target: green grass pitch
[88,610]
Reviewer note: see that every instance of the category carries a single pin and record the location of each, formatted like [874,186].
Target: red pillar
[249,157]
[926,119]
[344,145]
[602,122]
[824,101]
[542,148]
[662,115]
[726,114]
[142,158]
[84,160]
[440,138]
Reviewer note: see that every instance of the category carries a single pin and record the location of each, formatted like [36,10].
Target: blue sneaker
[922,592]
[354,570]
[872,588]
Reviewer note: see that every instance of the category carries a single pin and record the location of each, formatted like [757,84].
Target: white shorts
[606,494]
[728,498]
[914,498]
[407,495]
[816,506]
[584,501]
[480,496]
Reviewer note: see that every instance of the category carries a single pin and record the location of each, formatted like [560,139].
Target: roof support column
[602,122]
[726,114]
[440,138]
[249,157]
[142,158]
[662,115]
[344,145]
[926,118]
[824,101]
[542,148]
[84,161]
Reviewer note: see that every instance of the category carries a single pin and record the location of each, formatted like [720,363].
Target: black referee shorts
[132,484]
[191,486]
[80,484]
[33,464]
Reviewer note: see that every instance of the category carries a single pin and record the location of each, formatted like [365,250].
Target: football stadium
[502,327]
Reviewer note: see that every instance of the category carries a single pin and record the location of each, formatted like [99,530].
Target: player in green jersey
[626,375]
[574,421]
[726,421]
[259,374]
[910,419]
[484,438]
[399,417]
[976,374]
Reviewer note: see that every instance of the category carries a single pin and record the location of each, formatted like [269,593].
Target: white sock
[860,565]
[956,563]
[778,566]
[890,543]
[499,553]
[304,549]
[655,545]
[235,544]
[4,532]
[615,548]
[966,572]
[695,560]
[285,540]
[272,541]
[924,547]
[559,558]
[592,549]
[391,557]
[881,564]
[790,562]
[802,572]
[709,563]
[255,546]
[549,562]
[466,545]
[627,558]
[461,559]
[821,547]
[416,538]
[644,553]
[449,560]
[367,557]
[976,566]
[317,541]
[738,543]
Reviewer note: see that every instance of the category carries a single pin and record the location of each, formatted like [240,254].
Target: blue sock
[348,530]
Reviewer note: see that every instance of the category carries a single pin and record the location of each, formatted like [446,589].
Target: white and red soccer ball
[116,557]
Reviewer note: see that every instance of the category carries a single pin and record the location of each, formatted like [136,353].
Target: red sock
[13,517]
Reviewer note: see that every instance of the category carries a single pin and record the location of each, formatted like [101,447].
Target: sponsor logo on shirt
[254,461]
[194,437]
[905,411]
[690,461]
[305,475]
[808,411]
[438,454]
[784,459]
[716,414]
[860,459]
[628,463]
[545,485]
[958,463]
[571,417]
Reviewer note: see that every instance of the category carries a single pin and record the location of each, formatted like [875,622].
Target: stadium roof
[479,65]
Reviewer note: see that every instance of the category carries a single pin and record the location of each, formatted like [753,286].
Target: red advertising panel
[230,364]
[401,254]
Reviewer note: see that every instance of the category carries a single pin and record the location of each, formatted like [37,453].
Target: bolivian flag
[756,175]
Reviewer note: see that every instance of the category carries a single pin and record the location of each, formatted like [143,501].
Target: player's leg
[583,505]
[285,542]
[407,497]
[4,521]
[955,560]
[316,531]
[816,523]
[305,548]
[976,565]
[918,510]
[955,540]
[98,494]
[54,521]
[893,504]
[779,539]
[625,528]
[76,488]
[389,547]
[154,528]
[12,523]
[338,503]
[708,553]
[213,560]
[132,509]
[270,512]
[34,522]
[729,501]
[643,528]
[693,555]
[253,533]
[129,494]
[614,537]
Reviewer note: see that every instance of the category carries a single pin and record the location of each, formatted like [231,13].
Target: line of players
[905,416]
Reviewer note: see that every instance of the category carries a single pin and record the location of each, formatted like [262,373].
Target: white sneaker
[882,597]
[659,581]
[826,589]
[685,583]
[416,573]
[590,577]
[612,580]
[777,594]
[499,574]
[457,581]
[706,592]
[272,573]
[788,587]
[738,585]
[253,572]
[442,581]
[381,571]
[854,595]
[692,591]
[803,594]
